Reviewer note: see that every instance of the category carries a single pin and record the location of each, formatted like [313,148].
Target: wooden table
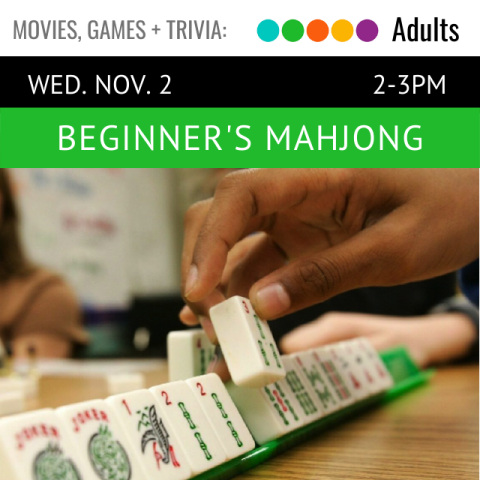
[431,433]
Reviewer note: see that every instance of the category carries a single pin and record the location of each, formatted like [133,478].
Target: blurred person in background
[38,311]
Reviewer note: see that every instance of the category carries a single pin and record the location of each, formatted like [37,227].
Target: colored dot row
[317,30]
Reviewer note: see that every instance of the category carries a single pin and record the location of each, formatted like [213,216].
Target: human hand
[430,339]
[326,231]
[237,278]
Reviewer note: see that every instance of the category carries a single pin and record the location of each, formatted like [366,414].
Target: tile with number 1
[151,437]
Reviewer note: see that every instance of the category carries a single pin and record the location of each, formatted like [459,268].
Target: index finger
[244,202]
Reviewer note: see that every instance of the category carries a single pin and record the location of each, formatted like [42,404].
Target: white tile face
[35,446]
[12,402]
[380,372]
[199,441]
[189,354]
[223,415]
[354,380]
[363,366]
[9,384]
[311,374]
[276,409]
[334,376]
[99,441]
[150,435]
[300,392]
[262,413]
[247,344]
[279,393]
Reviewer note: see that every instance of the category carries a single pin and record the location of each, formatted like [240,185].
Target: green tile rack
[406,376]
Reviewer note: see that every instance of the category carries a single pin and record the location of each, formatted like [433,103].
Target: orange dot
[317,30]
[342,30]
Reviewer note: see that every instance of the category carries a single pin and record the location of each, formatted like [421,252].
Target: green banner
[265,137]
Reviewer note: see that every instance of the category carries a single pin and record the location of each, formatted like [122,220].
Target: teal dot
[293,30]
[268,30]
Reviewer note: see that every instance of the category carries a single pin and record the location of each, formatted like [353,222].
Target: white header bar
[230,28]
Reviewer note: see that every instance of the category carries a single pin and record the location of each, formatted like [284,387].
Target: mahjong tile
[364,368]
[150,436]
[189,354]
[219,408]
[269,411]
[247,344]
[199,441]
[99,441]
[335,376]
[36,446]
[379,370]
[311,373]
[12,402]
[354,380]
[303,396]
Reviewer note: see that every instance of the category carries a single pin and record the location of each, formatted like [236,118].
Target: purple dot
[367,30]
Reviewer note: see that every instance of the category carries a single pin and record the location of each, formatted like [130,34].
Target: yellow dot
[342,30]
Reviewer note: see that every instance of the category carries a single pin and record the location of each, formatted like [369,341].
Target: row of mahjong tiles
[183,428]
[180,429]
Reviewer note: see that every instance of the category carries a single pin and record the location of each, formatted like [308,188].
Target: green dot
[292,30]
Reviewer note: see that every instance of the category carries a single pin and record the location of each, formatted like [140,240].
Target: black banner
[239,82]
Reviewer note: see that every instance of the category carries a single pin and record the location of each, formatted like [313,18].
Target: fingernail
[192,278]
[272,300]
[217,357]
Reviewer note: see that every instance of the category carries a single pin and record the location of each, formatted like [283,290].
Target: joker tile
[99,441]
[36,446]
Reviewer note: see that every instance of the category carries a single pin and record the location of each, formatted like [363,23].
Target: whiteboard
[110,232]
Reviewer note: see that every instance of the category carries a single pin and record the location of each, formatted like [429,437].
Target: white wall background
[110,232]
